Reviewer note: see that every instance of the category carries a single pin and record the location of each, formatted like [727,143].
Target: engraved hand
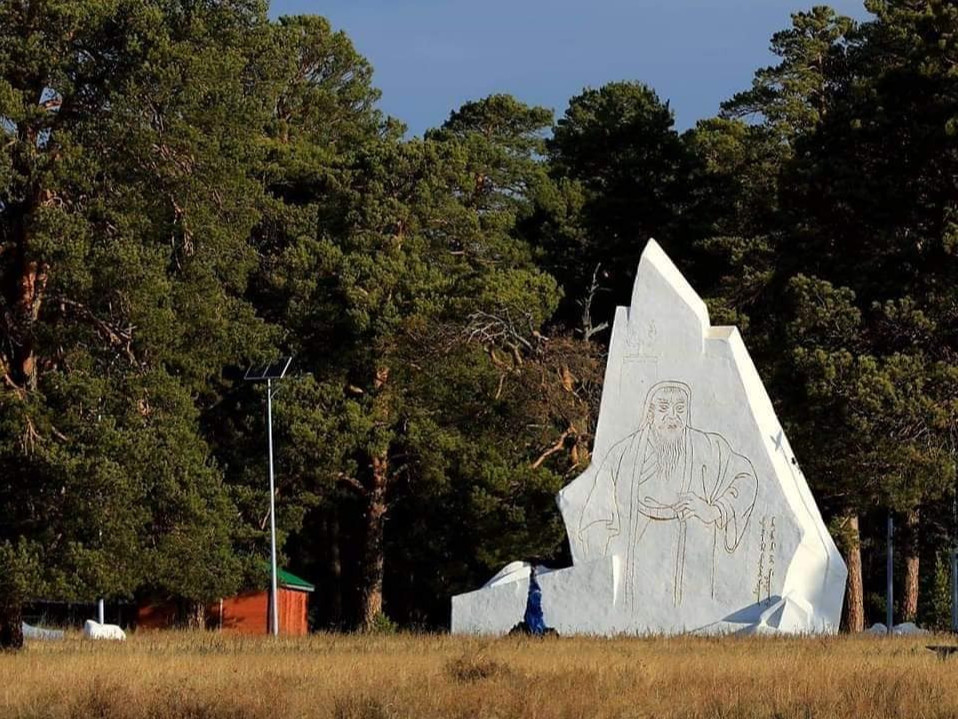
[691,505]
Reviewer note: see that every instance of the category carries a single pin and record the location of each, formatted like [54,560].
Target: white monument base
[582,600]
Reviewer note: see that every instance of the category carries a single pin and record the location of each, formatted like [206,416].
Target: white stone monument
[694,515]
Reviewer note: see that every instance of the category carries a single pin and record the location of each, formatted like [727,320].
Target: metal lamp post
[954,561]
[275,370]
[100,611]
[954,589]
[890,577]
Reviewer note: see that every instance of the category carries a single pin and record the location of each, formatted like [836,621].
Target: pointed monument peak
[660,290]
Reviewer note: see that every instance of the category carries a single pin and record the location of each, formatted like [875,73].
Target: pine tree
[622,176]
[125,210]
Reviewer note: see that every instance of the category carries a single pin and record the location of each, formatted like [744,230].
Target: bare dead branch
[588,330]
[352,483]
[595,330]
[501,330]
[54,103]
[121,337]
[30,437]
[17,390]
[557,447]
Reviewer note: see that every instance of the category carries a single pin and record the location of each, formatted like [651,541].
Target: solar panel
[273,370]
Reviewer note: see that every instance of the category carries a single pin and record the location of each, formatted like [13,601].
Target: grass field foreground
[209,676]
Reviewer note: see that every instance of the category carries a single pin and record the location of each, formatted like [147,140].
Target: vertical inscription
[766,562]
[761,562]
[770,563]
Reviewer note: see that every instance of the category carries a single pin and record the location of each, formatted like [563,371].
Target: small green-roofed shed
[248,611]
[289,580]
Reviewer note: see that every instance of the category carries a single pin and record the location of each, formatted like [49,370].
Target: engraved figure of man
[663,479]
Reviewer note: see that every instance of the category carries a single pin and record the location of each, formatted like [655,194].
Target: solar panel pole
[273,608]
[275,370]
[100,613]
[890,578]
[954,562]
[954,590]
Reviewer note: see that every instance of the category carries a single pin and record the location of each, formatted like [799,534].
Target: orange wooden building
[246,613]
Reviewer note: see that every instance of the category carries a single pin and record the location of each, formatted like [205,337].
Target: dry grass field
[206,676]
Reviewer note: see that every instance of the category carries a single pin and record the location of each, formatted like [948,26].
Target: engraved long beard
[669,447]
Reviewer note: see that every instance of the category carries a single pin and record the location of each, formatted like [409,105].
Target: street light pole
[100,613]
[954,562]
[954,589]
[890,578]
[274,370]
[273,607]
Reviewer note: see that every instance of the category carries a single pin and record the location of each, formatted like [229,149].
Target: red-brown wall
[155,616]
[243,614]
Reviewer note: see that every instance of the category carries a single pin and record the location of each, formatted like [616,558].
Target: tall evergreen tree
[321,112]
[125,208]
[856,267]
[791,98]
[415,255]
[622,176]
[877,184]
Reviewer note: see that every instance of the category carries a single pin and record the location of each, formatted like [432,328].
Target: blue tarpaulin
[535,622]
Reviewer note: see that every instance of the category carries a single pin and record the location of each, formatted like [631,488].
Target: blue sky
[430,56]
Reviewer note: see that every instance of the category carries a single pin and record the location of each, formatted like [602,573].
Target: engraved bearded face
[668,410]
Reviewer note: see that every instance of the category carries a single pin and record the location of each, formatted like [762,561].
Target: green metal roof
[291,581]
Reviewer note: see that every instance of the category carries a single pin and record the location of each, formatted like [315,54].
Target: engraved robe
[642,516]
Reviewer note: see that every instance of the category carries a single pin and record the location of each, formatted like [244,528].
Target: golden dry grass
[180,675]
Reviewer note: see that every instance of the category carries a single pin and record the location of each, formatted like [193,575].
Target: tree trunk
[375,496]
[32,282]
[195,615]
[11,626]
[910,599]
[335,567]
[855,597]
[373,559]
[28,280]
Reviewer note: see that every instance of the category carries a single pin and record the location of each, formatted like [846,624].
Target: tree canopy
[187,188]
